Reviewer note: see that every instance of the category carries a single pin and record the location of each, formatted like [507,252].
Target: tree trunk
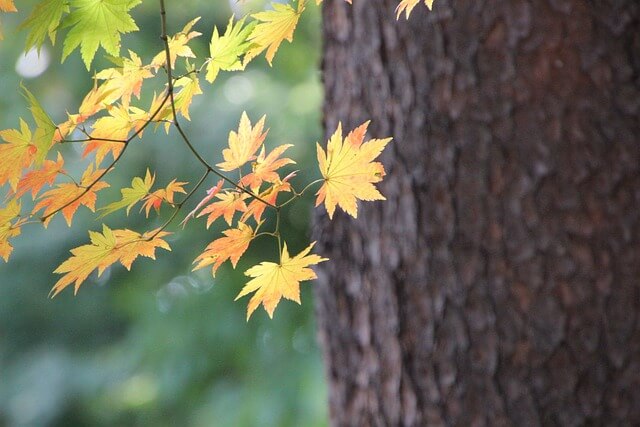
[499,284]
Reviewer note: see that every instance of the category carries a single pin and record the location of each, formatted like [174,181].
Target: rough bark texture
[499,284]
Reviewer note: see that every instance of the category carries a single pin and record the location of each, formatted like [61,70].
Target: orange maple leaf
[111,132]
[270,195]
[229,202]
[264,167]
[349,171]
[272,281]
[231,247]
[34,180]
[17,153]
[243,144]
[68,197]
[7,6]
[210,195]
[105,249]
[154,200]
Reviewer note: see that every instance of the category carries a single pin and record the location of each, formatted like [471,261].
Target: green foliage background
[160,345]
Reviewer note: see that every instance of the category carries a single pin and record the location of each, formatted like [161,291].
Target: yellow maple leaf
[16,153]
[105,249]
[243,144]
[177,46]
[124,82]
[231,247]
[6,6]
[8,227]
[110,132]
[349,171]
[273,281]
[68,196]
[408,5]
[275,26]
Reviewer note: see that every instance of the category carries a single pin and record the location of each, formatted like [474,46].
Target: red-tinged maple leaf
[210,195]
[349,171]
[68,197]
[231,247]
[34,180]
[16,153]
[9,227]
[105,249]
[177,46]
[154,200]
[229,202]
[273,281]
[126,81]
[270,195]
[264,167]
[243,144]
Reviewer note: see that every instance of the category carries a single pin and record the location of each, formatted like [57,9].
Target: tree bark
[499,284]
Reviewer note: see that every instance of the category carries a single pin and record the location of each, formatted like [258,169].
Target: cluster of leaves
[110,118]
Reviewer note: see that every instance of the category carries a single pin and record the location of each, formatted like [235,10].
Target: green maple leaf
[44,21]
[226,50]
[97,23]
[45,128]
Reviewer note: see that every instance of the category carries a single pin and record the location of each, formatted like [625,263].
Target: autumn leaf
[349,171]
[36,179]
[275,26]
[264,167]
[270,195]
[210,195]
[9,227]
[225,50]
[130,195]
[68,197]
[44,21]
[227,205]
[273,281]
[110,132]
[155,199]
[97,23]
[177,46]
[243,144]
[16,153]
[43,137]
[105,249]
[231,247]
[124,82]
[408,5]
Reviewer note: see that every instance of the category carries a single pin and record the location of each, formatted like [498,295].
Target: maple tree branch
[113,163]
[296,194]
[176,123]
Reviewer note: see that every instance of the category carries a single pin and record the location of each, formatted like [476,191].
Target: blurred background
[161,345]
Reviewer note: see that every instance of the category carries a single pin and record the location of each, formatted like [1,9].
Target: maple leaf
[408,5]
[273,281]
[17,153]
[105,249]
[231,247]
[264,167]
[177,46]
[110,132]
[68,197]
[270,195]
[43,137]
[97,23]
[243,144]
[34,180]
[130,195]
[229,202]
[210,195]
[155,199]
[44,21]
[275,26]
[126,81]
[225,50]
[8,228]
[349,171]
